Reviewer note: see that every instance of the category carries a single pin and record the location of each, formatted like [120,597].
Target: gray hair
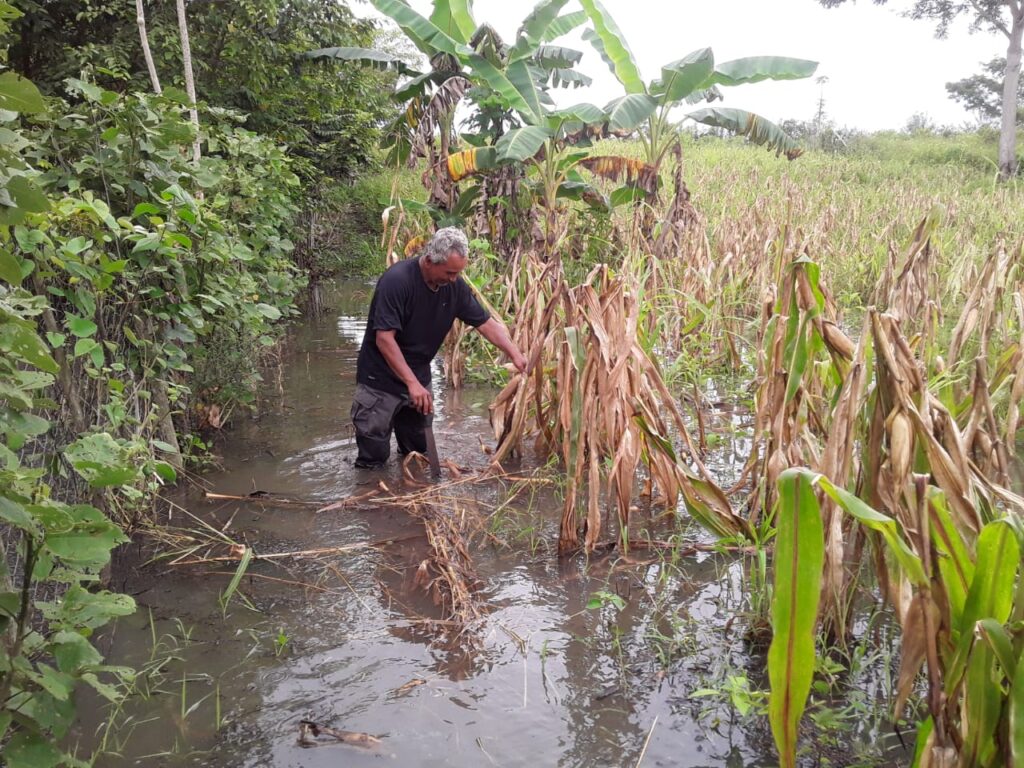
[444,242]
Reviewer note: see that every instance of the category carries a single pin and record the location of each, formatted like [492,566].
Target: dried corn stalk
[598,401]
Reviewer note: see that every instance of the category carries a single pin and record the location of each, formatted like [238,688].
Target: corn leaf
[993,633]
[983,700]
[990,594]
[1017,715]
[799,558]
[876,521]
[608,41]
[955,564]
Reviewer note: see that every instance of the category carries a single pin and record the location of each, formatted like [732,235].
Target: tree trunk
[190,83]
[1011,79]
[140,18]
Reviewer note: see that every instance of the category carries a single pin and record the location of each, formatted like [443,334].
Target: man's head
[444,257]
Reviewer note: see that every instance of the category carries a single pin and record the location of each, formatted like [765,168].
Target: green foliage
[59,548]
[246,56]
[121,263]
[799,555]
[976,662]
[139,269]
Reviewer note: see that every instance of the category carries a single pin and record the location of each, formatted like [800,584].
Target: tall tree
[147,54]
[1005,17]
[190,81]
[982,93]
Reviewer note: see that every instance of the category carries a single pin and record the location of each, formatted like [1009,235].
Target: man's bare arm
[420,395]
[496,333]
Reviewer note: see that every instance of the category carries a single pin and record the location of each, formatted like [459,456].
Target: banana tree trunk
[140,19]
[1011,80]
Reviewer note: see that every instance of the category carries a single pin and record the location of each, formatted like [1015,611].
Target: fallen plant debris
[313,735]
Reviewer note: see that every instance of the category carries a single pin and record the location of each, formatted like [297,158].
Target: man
[413,308]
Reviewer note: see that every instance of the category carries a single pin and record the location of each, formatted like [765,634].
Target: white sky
[882,68]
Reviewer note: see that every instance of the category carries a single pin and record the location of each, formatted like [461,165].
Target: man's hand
[421,398]
[497,334]
[519,361]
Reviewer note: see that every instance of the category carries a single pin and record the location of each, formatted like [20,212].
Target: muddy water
[641,676]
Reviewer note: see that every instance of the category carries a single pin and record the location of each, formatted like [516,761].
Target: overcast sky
[881,68]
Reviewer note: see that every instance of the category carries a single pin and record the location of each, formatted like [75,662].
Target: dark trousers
[375,414]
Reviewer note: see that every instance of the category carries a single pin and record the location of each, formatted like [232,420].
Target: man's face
[448,272]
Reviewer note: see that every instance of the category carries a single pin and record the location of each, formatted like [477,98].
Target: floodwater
[607,661]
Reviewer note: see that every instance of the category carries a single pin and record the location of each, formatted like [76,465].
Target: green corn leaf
[799,558]
[924,732]
[990,594]
[1017,715]
[993,633]
[886,526]
[797,362]
[955,563]
[983,700]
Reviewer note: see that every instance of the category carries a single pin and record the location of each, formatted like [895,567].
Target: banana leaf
[609,42]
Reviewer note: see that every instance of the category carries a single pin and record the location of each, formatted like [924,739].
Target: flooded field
[651,659]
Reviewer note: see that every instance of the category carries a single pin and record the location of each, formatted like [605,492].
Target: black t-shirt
[402,302]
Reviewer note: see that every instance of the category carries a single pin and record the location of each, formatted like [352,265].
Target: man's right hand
[421,398]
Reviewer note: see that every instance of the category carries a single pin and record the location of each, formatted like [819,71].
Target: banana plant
[693,79]
[465,55]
